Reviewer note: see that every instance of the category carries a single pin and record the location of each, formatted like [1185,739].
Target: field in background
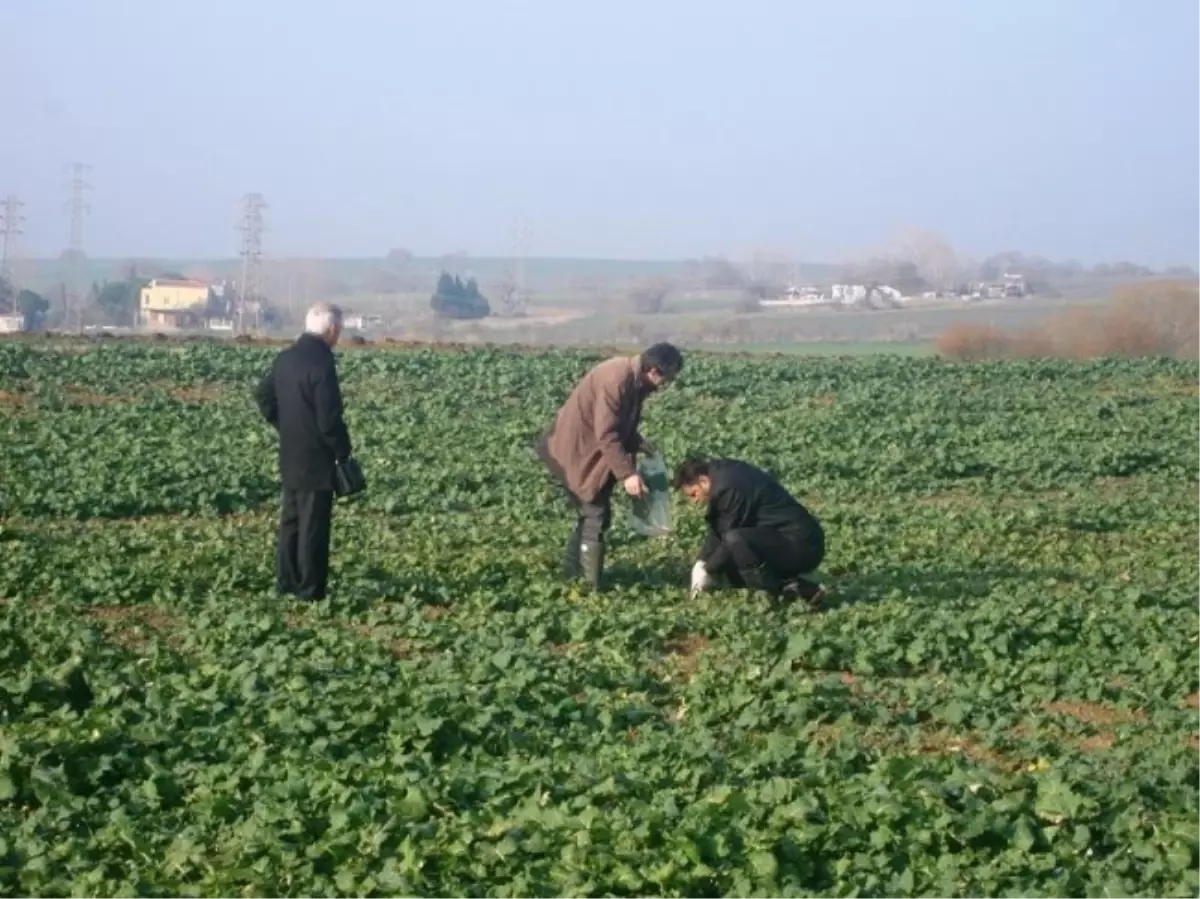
[582,301]
[1000,700]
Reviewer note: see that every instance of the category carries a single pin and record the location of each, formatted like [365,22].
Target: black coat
[300,396]
[742,496]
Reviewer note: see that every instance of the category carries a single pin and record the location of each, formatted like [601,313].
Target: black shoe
[760,577]
[798,588]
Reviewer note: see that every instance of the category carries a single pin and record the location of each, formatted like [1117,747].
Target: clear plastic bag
[652,513]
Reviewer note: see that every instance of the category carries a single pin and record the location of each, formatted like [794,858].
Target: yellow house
[173,303]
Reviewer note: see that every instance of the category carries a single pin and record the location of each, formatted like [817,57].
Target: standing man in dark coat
[593,444]
[759,536]
[301,397]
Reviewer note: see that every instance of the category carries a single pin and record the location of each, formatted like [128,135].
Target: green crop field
[999,700]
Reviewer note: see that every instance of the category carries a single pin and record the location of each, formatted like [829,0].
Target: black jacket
[301,397]
[743,496]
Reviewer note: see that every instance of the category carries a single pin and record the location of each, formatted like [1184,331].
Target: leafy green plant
[999,700]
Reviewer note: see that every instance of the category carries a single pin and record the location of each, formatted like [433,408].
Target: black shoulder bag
[348,478]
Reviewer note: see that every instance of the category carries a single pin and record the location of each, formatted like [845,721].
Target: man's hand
[635,486]
[700,580]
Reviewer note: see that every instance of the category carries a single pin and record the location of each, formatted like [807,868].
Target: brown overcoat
[595,434]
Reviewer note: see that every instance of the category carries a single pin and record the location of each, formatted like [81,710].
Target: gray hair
[322,317]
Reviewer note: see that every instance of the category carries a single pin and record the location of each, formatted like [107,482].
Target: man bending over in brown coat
[594,442]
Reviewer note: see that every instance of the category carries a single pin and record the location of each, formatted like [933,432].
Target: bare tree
[916,260]
[398,258]
[716,273]
[748,304]
[934,259]
[384,281]
[454,262]
[769,265]
[506,293]
[648,296]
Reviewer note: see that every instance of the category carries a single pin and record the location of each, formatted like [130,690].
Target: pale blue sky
[616,129]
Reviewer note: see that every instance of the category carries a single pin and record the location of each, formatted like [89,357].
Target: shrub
[1160,318]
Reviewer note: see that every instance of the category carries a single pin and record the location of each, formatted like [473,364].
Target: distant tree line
[33,306]
[455,299]
[915,262]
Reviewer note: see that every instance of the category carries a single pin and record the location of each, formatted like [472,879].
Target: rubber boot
[572,566]
[592,561]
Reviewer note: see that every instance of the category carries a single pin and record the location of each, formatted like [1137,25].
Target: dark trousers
[594,517]
[302,549]
[766,558]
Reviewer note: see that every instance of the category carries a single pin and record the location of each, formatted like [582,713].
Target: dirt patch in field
[824,734]
[926,741]
[1115,483]
[126,625]
[82,396]
[1192,700]
[12,399]
[823,400]
[1094,713]
[433,612]
[1158,390]
[1030,731]
[562,649]
[949,743]
[400,647]
[687,645]
[174,520]
[198,393]
[1097,743]
[948,498]
[685,651]
[960,497]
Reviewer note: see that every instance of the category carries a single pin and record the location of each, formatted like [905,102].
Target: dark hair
[665,357]
[689,472]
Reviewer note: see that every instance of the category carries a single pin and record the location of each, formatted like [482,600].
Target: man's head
[693,478]
[324,320]
[661,364]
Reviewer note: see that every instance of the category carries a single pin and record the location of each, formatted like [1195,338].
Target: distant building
[1014,285]
[173,303]
[355,322]
[848,294]
[1009,286]
[12,324]
[867,295]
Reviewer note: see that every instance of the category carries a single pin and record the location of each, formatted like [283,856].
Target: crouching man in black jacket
[301,397]
[759,536]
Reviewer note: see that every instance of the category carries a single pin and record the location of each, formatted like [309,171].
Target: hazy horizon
[663,132]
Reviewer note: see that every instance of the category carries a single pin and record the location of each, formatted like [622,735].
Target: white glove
[699,579]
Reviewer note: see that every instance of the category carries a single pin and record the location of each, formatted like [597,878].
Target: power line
[523,236]
[78,207]
[10,228]
[252,227]
[78,204]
